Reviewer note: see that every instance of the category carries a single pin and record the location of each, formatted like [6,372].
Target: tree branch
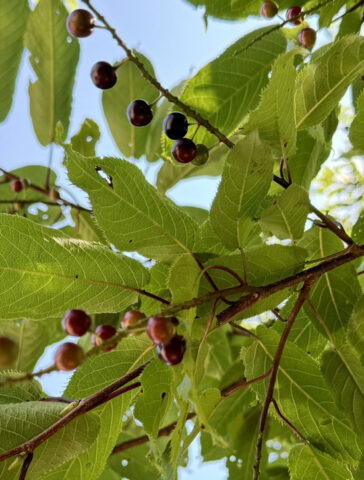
[273,377]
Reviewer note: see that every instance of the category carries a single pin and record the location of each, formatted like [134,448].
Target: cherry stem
[123,62]
[196,130]
[26,465]
[226,269]
[156,100]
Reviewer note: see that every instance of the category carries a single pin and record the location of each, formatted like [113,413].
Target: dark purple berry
[172,352]
[17,185]
[80,23]
[184,150]
[269,9]
[175,125]
[307,37]
[292,13]
[103,75]
[8,352]
[76,322]
[104,332]
[69,356]
[161,329]
[139,113]
[202,155]
[131,318]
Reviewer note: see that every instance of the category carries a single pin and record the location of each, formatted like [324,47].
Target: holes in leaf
[105,176]
[89,139]
[69,39]
[124,463]
[36,59]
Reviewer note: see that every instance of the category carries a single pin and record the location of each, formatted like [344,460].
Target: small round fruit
[54,195]
[131,318]
[80,23]
[269,9]
[175,125]
[103,75]
[17,185]
[69,356]
[8,352]
[307,37]
[76,322]
[292,13]
[184,150]
[172,352]
[161,329]
[139,113]
[104,332]
[202,155]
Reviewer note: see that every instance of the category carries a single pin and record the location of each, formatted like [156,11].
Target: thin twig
[352,9]
[291,426]
[26,465]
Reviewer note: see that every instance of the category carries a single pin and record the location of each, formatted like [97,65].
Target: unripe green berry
[202,155]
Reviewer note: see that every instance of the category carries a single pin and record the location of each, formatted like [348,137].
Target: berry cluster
[306,37]
[170,347]
[81,23]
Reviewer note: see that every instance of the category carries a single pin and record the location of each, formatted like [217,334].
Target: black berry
[161,329]
[172,352]
[80,23]
[184,150]
[104,332]
[139,113]
[175,125]
[8,352]
[103,75]
[307,37]
[202,155]
[269,9]
[76,322]
[293,12]
[69,356]
[131,318]
[17,185]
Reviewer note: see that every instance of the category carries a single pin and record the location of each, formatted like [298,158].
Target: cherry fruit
[172,352]
[69,356]
[80,23]
[103,75]
[139,113]
[131,318]
[175,125]
[17,185]
[202,155]
[307,37]
[104,332]
[76,322]
[184,150]
[8,352]
[269,9]
[293,12]
[161,329]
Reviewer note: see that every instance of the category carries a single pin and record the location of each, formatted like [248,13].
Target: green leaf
[158,285]
[356,327]
[320,85]
[357,126]
[13,20]
[302,395]
[208,241]
[328,12]
[156,396]
[52,273]
[206,403]
[245,182]
[274,118]
[316,465]
[131,141]
[22,421]
[26,391]
[84,141]
[226,89]
[53,56]
[287,216]
[134,216]
[358,229]
[86,228]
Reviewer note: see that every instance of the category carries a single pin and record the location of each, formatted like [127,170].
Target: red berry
[131,318]
[80,23]
[69,356]
[8,352]
[17,185]
[307,37]
[269,9]
[293,12]
[103,75]
[104,332]
[139,113]
[184,150]
[161,329]
[172,352]
[175,125]
[76,322]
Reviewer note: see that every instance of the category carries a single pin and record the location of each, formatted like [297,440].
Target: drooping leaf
[13,20]
[356,128]
[64,273]
[53,56]
[134,216]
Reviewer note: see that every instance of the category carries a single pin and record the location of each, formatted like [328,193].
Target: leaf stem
[26,465]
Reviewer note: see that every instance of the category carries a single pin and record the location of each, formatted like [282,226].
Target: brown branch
[291,426]
[84,406]
[276,362]
[352,9]
[26,465]
[340,232]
